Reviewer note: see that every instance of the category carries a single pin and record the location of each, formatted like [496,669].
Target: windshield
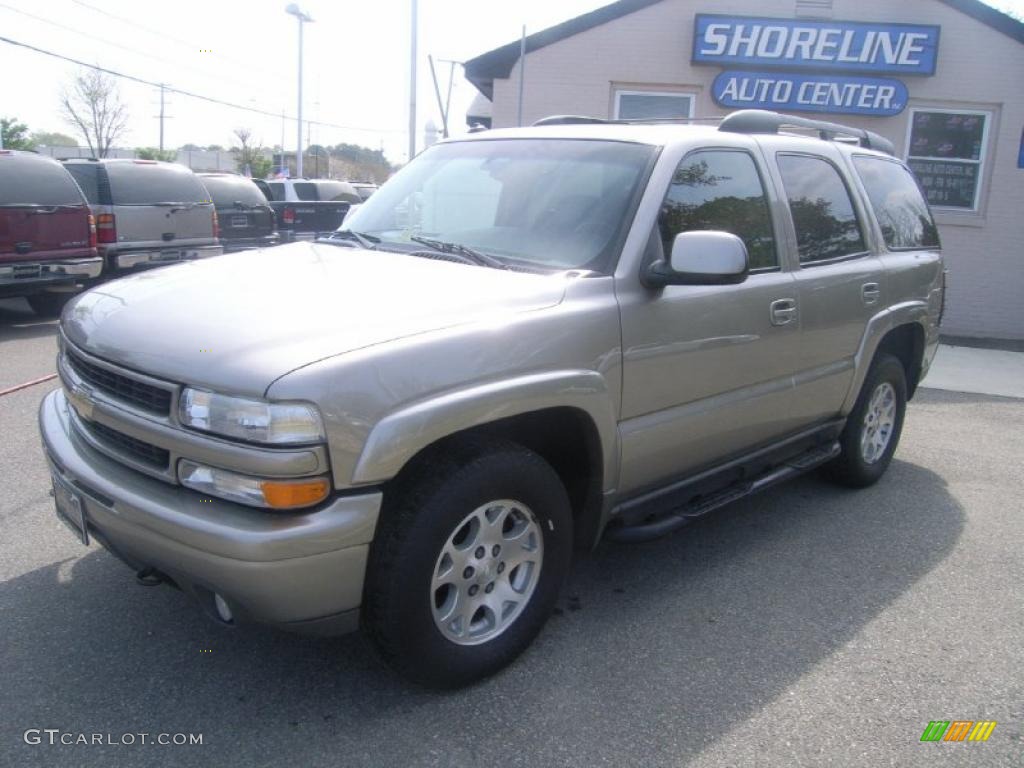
[550,203]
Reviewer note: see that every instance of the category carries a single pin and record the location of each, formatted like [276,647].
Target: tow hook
[149,577]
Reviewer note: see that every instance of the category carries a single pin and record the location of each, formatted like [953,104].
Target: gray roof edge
[498,63]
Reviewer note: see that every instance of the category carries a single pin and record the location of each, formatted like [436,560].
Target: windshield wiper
[369,242]
[477,257]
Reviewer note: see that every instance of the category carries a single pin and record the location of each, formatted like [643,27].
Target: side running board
[702,505]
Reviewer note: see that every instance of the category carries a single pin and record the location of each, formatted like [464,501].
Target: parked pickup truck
[589,330]
[47,234]
[308,208]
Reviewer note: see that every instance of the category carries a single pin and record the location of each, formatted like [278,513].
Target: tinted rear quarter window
[32,180]
[87,177]
[305,190]
[823,214]
[898,204]
[276,190]
[136,183]
[228,190]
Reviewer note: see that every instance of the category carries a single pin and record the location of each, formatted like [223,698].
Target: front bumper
[151,257]
[301,570]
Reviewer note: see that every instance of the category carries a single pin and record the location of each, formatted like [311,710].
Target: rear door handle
[783,311]
[870,293]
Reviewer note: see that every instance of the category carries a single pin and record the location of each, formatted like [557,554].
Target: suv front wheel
[470,554]
[873,428]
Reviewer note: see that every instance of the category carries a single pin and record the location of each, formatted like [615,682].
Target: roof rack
[587,120]
[764,121]
[571,120]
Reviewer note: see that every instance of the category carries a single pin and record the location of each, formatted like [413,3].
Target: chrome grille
[145,396]
[143,452]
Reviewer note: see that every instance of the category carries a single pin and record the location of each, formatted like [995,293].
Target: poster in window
[947,184]
[946,150]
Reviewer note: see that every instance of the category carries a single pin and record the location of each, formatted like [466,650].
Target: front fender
[403,433]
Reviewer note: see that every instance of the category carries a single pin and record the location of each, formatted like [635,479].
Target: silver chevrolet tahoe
[528,340]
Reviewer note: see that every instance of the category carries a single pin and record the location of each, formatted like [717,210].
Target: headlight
[255,420]
[256,492]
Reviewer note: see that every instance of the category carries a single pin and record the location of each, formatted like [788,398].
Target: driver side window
[721,190]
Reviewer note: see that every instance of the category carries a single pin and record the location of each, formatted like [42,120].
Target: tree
[251,160]
[53,139]
[152,153]
[93,105]
[14,134]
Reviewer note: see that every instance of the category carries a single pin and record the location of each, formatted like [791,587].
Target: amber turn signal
[286,495]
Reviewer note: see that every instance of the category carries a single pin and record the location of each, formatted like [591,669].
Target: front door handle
[783,311]
[870,293]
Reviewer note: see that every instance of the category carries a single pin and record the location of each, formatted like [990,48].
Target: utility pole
[412,84]
[161,117]
[522,75]
[302,17]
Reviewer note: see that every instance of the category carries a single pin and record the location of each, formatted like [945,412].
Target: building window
[946,150]
[646,105]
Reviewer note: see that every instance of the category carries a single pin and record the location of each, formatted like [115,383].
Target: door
[708,369]
[839,281]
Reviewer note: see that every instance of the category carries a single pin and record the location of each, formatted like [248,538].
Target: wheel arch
[566,418]
[900,330]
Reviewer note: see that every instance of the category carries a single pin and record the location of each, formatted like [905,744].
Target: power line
[190,94]
[112,44]
[164,36]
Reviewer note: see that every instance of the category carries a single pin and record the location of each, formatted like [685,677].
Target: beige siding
[978,68]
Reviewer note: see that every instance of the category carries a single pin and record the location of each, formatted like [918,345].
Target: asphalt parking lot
[809,626]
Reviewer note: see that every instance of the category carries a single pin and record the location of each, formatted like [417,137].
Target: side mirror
[701,257]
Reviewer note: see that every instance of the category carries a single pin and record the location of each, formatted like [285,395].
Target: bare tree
[94,106]
[251,160]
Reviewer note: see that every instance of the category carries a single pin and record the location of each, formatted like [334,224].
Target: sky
[245,52]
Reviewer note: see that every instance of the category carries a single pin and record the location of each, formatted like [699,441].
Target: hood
[235,323]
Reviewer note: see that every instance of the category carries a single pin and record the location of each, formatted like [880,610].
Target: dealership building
[942,79]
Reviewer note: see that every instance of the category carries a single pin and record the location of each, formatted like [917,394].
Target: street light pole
[303,17]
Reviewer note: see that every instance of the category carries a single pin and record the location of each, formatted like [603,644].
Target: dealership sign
[908,49]
[836,94]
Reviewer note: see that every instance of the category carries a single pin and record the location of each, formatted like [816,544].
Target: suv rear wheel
[469,556]
[873,428]
[48,304]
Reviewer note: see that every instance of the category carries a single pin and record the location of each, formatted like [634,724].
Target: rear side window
[277,190]
[304,190]
[823,214]
[228,190]
[32,180]
[898,204]
[87,177]
[722,190]
[146,184]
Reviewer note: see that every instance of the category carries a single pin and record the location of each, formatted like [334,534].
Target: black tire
[420,514]
[48,304]
[851,468]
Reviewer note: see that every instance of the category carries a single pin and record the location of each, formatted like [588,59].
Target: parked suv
[47,234]
[147,213]
[525,341]
[246,218]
